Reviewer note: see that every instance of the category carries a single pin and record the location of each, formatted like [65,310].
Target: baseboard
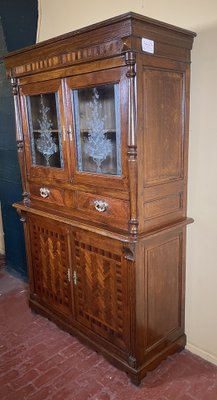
[201,353]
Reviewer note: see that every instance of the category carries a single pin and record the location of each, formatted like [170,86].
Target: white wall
[201,322]
[61,16]
[57,17]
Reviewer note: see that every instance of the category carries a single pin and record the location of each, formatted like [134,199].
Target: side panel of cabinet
[50,265]
[100,289]
[165,127]
[164,288]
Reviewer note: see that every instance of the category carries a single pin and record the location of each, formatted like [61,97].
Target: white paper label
[148,45]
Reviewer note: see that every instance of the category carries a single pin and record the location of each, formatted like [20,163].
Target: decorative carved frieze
[102,50]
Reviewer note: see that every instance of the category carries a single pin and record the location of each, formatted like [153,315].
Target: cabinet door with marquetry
[50,265]
[100,287]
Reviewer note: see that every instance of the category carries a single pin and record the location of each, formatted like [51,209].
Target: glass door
[97,128]
[97,115]
[46,152]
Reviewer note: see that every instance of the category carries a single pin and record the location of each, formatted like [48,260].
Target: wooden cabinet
[102,134]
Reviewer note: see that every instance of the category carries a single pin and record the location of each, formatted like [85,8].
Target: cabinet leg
[135,380]
[33,312]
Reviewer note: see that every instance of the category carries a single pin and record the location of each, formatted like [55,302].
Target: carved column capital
[22,216]
[26,197]
[129,251]
[130,58]
[20,145]
[14,84]
[133,225]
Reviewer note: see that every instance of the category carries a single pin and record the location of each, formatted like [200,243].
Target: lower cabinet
[125,298]
[81,276]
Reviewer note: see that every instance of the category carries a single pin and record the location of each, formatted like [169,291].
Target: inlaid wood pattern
[99,291]
[50,262]
[73,57]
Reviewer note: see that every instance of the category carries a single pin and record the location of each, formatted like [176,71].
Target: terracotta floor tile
[41,362]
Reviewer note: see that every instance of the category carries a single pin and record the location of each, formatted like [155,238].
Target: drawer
[47,194]
[105,209]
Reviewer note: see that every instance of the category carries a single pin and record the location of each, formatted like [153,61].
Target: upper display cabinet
[72,128]
[102,116]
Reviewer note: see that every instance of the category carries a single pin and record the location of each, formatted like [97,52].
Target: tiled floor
[41,362]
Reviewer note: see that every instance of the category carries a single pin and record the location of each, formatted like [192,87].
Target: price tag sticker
[148,45]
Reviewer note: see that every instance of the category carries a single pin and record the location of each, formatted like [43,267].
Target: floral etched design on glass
[97,126]
[46,145]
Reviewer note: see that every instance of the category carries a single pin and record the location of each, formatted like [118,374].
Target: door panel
[98,123]
[44,130]
[100,287]
[50,264]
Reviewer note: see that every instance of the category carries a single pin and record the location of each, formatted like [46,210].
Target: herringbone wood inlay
[50,259]
[99,291]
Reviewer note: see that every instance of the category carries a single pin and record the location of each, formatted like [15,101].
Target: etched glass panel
[44,127]
[97,126]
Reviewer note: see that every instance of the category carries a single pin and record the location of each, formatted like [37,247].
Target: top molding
[108,38]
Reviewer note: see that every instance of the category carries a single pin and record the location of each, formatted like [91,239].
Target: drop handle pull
[44,192]
[100,206]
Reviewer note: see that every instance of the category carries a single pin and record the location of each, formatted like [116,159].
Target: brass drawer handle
[100,205]
[44,192]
